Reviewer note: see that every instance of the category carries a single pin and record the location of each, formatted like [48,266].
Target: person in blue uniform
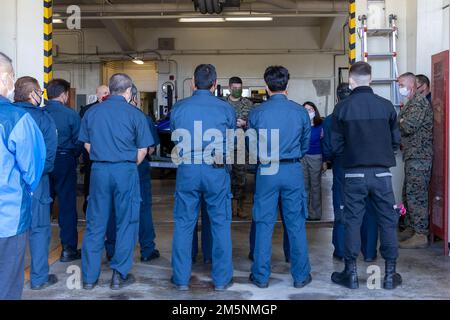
[146,229]
[63,178]
[117,137]
[101,93]
[202,173]
[279,179]
[369,228]
[28,97]
[22,161]
[365,132]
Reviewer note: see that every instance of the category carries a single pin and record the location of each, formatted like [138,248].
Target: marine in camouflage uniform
[416,126]
[243,106]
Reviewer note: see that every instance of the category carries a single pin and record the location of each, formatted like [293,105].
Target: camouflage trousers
[238,181]
[415,194]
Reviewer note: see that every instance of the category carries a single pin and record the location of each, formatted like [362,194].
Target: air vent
[166,44]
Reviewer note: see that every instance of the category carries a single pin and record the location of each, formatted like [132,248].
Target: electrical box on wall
[163,67]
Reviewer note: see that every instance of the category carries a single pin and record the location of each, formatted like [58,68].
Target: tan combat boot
[417,241]
[405,234]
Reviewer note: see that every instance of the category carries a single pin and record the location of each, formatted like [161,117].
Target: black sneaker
[52,279]
[154,255]
[299,285]
[225,287]
[178,286]
[89,286]
[69,254]
[259,285]
[118,281]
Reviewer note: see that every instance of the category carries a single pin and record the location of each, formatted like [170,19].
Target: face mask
[312,115]
[39,100]
[236,93]
[404,92]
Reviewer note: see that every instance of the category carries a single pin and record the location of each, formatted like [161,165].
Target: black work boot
[69,254]
[118,281]
[347,278]
[392,279]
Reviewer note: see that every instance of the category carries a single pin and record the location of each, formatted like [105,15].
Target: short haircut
[408,75]
[23,87]
[423,79]
[57,87]
[317,119]
[277,78]
[5,62]
[361,69]
[235,80]
[119,83]
[205,76]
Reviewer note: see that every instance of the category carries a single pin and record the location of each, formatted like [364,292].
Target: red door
[439,180]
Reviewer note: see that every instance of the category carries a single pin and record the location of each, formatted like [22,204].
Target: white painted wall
[245,52]
[23,42]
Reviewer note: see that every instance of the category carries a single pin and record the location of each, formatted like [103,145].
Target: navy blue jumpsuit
[40,233]
[63,178]
[115,130]
[202,180]
[146,228]
[284,187]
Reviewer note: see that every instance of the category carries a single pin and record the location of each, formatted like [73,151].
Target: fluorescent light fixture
[201,20]
[249,19]
[138,61]
[58,21]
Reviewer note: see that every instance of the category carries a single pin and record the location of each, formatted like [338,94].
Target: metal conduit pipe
[266,6]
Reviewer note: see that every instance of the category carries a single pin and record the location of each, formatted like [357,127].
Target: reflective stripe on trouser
[286,186]
[370,184]
[40,233]
[146,227]
[312,168]
[193,183]
[111,185]
[63,184]
[415,194]
[12,266]
[369,228]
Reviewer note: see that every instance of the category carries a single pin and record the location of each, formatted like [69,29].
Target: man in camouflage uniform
[416,126]
[242,106]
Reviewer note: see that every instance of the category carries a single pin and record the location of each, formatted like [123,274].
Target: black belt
[290,160]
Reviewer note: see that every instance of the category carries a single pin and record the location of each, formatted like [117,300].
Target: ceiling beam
[330,30]
[122,32]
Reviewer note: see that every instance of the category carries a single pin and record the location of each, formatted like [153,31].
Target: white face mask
[404,92]
[312,115]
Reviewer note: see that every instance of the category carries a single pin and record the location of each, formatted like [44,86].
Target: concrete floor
[425,272]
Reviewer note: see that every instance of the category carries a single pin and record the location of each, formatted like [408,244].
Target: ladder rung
[381,55]
[383,81]
[379,32]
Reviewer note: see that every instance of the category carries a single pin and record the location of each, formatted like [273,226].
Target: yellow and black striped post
[352,32]
[48,43]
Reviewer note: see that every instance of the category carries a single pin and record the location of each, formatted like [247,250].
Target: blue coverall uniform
[198,180]
[22,161]
[40,233]
[146,228]
[115,130]
[63,178]
[369,228]
[285,186]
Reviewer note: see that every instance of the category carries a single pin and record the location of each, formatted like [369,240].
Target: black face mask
[38,102]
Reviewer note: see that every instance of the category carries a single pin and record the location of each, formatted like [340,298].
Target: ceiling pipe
[175,17]
[161,8]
